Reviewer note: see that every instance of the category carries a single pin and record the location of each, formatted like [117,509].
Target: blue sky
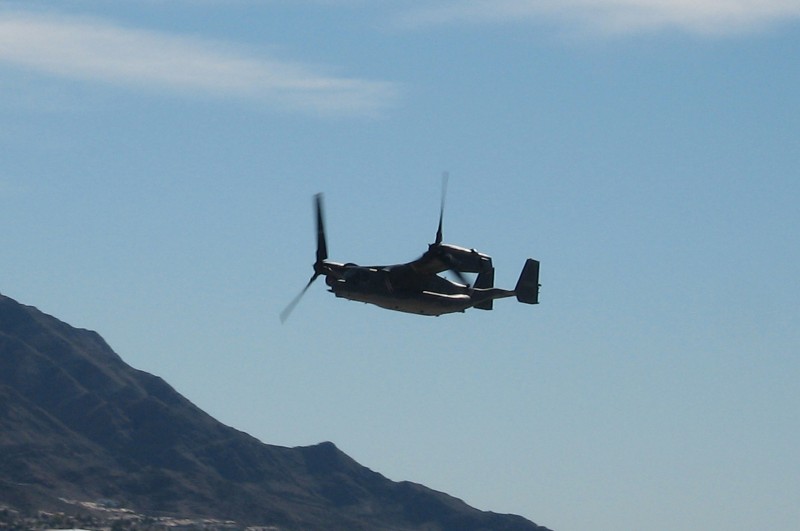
[159,160]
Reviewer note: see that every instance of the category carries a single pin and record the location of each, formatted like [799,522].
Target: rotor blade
[445,176]
[460,277]
[451,264]
[322,247]
[285,313]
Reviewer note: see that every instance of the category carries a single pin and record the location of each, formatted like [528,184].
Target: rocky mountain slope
[76,422]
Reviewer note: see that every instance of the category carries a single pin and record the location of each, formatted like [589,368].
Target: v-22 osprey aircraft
[416,287]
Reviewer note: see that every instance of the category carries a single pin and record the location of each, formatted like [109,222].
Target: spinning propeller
[436,250]
[319,265]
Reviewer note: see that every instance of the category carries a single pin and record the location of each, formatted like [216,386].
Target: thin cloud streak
[703,17]
[97,50]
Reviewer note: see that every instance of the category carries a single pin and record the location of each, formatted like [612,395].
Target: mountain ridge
[77,422]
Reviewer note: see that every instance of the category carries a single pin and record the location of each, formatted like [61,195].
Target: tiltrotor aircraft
[416,287]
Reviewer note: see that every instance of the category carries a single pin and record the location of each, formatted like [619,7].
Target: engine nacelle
[463,259]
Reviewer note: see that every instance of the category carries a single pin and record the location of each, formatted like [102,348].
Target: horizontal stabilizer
[527,289]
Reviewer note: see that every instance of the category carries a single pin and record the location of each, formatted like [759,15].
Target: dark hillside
[77,422]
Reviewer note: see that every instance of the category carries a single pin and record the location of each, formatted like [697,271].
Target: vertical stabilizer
[485,280]
[527,289]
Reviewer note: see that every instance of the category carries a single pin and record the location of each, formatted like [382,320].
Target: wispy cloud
[705,17]
[98,50]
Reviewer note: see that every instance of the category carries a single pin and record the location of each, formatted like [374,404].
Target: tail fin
[485,280]
[527,289]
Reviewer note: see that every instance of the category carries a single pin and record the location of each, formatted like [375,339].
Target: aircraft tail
[485,280]
[527,289]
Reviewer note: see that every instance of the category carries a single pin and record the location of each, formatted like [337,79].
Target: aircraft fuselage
[395,288]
